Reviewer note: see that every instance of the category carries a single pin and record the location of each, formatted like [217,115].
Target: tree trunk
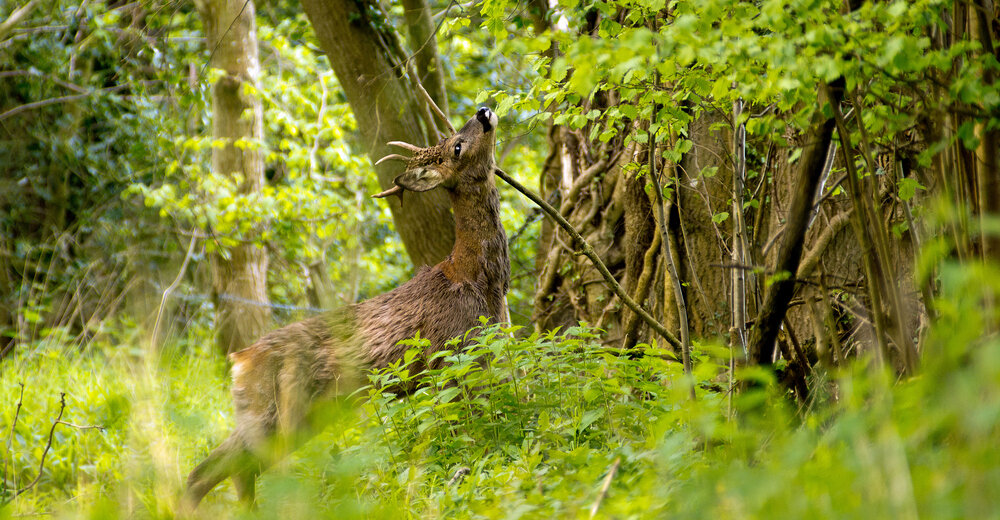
[367,62]
[240,281]
[779,292]
[616,212]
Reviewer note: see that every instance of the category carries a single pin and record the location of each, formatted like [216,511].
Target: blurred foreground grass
[555,426]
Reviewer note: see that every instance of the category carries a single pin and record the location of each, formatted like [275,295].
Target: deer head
[466,157]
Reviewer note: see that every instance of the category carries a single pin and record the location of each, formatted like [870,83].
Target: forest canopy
[764,284]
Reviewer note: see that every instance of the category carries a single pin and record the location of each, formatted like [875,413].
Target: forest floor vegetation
[554,426]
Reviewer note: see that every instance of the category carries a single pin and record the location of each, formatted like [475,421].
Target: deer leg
[245,481]
[223,462]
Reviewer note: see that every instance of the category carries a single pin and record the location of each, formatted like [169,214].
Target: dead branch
[671,264]
[778,294]
[170,289]
[48,445]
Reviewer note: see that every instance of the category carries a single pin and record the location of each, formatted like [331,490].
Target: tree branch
[779,292]
[15,18]
[48,445]
[682,312]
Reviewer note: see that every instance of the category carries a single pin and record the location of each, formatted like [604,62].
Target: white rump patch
[237,369]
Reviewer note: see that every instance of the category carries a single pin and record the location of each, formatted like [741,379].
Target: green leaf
[629,111]
[588,418]
[908,188]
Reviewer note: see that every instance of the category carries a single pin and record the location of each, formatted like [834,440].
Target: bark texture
[239,280]
[615,210]
[369,66]
[779,292]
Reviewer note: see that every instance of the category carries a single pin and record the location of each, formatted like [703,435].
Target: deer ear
[419,179]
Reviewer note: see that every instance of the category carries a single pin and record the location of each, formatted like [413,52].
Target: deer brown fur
[281,381]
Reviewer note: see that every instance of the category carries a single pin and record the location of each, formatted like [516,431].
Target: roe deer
[279,380]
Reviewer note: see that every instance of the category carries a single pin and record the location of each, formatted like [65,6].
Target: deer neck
[480,251]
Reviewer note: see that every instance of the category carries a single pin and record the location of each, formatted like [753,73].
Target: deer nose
[487,118]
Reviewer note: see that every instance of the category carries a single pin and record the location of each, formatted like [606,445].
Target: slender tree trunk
[779,293]
[240,280]
[367,62]
[988,173]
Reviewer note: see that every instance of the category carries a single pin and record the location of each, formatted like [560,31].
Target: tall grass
[545,426]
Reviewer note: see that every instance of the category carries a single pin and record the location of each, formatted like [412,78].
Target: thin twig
[668,259]
[83,427]
[52,101]
[605,486]
[48,446]
[588,250]
[10,436]
[170,289]
[15,17]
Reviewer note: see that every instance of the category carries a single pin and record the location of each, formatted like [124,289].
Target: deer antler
[406,146]
[395,190]
[392,157]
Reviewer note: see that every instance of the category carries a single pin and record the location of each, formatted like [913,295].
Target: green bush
[548,425]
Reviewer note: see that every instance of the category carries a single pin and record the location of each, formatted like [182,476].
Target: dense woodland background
[804,194]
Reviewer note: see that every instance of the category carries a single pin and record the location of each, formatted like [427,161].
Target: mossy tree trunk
[239,275]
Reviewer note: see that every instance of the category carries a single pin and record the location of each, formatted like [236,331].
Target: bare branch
[668,258]
[48,446]
[170,289]
[16,18]
[52,101]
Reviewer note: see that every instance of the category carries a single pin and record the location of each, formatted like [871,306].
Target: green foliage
[642,63]
[512,427]
[314,207]
[146,403]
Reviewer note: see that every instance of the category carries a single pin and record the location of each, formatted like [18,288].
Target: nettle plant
[513,397]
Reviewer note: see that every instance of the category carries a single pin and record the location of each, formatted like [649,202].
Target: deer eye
[458,149]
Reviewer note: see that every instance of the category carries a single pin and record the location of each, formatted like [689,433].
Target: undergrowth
[545,426]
